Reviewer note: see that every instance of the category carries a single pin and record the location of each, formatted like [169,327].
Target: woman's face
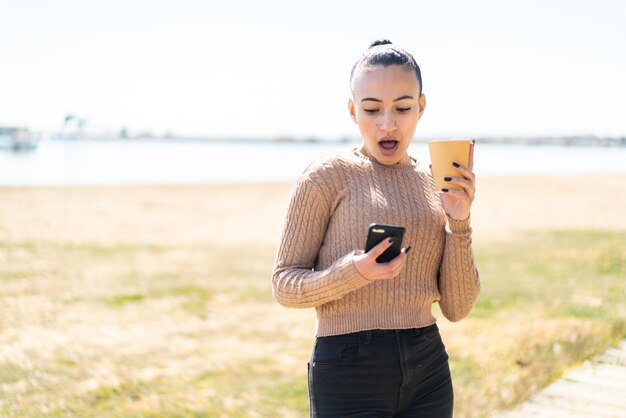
[386,106]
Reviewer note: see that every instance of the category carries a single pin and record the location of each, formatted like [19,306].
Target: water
[172,162]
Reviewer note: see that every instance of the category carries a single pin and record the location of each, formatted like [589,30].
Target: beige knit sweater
[331,206]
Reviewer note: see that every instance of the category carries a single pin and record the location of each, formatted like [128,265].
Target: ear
[422,104]
[352,110]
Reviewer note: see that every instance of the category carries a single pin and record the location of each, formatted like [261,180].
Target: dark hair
[381,52]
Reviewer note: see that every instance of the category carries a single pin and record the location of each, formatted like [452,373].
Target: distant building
[17,138]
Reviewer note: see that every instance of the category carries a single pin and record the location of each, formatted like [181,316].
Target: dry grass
[155,301]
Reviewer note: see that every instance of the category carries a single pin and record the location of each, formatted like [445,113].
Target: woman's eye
[403,109]
[371,110]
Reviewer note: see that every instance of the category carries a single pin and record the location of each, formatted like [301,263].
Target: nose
[387,122]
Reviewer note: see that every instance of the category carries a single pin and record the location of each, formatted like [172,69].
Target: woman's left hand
[458,203]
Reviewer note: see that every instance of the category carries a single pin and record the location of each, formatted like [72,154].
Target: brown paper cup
[442,155]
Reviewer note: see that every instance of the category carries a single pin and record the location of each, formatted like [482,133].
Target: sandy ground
[235,214]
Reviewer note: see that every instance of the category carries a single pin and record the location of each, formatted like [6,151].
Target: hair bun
[380,42]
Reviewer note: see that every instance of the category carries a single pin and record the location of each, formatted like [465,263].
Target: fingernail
[447,179]
[392,240]
[444,190]
[406,251]
[473,141]
[456,165]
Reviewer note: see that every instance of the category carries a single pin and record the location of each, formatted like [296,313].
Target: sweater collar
[412,161]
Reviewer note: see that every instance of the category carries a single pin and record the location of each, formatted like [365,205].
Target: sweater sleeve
[459,282]
[295,282]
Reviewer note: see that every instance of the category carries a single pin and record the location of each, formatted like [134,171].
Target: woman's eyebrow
[372,99]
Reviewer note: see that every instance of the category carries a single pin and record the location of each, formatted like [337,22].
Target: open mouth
[388,146]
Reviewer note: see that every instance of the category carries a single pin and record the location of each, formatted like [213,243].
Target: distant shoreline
[576,140]
[169,161]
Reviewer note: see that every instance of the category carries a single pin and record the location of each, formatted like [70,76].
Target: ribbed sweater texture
[331,206]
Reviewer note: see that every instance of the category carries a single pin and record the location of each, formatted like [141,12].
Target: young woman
[378,352]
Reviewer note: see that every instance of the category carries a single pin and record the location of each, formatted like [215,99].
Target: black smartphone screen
[378,232]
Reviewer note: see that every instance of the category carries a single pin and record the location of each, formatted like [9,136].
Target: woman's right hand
[365,262]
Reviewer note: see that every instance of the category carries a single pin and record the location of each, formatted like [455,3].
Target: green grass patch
[114,249]
[109,397]
[66,362]
[120,300]
[195,297]
[14,275]
[565,273]
[255,294]
[259,387]
[22,245]
[290,394]
[11,373]
[236,392]
[463,366]
[197,302]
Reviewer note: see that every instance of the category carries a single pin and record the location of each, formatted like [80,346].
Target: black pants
[381,373]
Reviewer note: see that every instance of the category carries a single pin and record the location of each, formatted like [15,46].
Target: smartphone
[378,232]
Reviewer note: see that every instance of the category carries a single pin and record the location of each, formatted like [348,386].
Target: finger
[458,194]
[396,265]
[468,174]
[466,184]
[380,248]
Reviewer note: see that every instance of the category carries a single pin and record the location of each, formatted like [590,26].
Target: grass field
[122,302]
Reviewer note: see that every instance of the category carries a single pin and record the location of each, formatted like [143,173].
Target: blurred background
[147,150]
[242,69]
[214,72]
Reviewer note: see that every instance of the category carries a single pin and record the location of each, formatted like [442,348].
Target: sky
[280,68]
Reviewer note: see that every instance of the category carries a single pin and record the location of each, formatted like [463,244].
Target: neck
[404,160]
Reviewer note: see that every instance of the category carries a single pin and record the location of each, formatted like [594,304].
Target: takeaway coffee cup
[442,155]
